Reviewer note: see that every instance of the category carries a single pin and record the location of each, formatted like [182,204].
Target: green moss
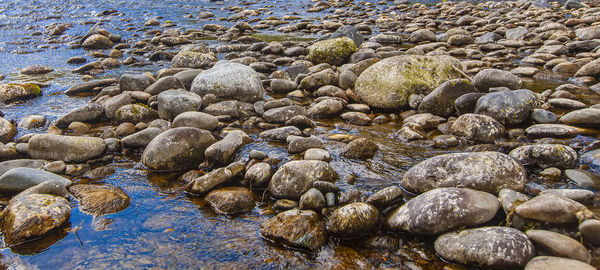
[332,51]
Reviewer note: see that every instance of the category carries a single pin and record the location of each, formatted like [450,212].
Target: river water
[163,227]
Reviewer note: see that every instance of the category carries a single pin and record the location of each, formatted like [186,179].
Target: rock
[89,112]
[190,59]
[319,79]
[485,171]
[100,200]
[588,33]
[566,104]
[332,51]
[423,35]
[36,70]
[590,230]
[587,116]
[164,84]
[356,118]
[233,108]
[350,32]
[177,149]
[97,42]
[347,79]
[196,119]
[466,103]
[141,138]
[444,209]
[441,100]
[574,4]
[580,195]
[214,178]
[134,113]
[33,215]
[7,131]
[313,199]
[556,263]
[283,114]
[279,134]
[258,175]
[486,247]
[296,228]
[231,201]
[301,144]
[14,92]
[113,104]
[171,103]
[89,86]
[589,69]
[228,80]
[134,82]
[556,244]
[221,152]
[516,33]
[583,178]
[478,128]
[326,108]
[353,220]
[388,83]
[187,77]
[317,154]
[488,78]
[360,148]
[545,156]
[386,196]
[22,178]
[294,178]
[17,163]
[507,107]
[542,116]
[550,208]
[555,131]
[65,148]
[282,86]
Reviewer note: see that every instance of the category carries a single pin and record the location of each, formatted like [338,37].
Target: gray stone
[590,230]
[32,121]
[112,104]
[296,228]
[588,116]
[313,199]
[542,116]
[280,134]
[163,84]
[441,100]
[317,154]
[478,128]
[360,148]
[556,263]
[171,103]
[134,82]
[299,145]
[65,148]
[191,59]
[583,178]
[134,113]
[580,195]
[196,119]
[296,177]
[221,152]
[141,138]
[258,175]
[214,178]
[350,32]
[87,113]
[283,114]
[556,244]
[555,131]
[18,163]
[19,179]
[177,149]
[228,80]
[507,107]
[326,108]
[386,196]
[550,208]
[545,156]
[488,78]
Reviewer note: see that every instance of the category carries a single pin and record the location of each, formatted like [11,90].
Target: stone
[559,245]
[566,104]
[5,166]
[231,200]
[507,107]
[556,263]
[171,103]
[196,119]
[388,83]
[313,199]
[232,108]
[583,178]
[360,148]
[301,144]
[228,80]
[356,118]
[588,33]
[89,112]
[164,84]
[587,116]
[65,148]
[353,220]
[466,103]
[134,82]
[99,200]
[36,70]
[319,79]
[89,86]
[258,175]
[14,92]
[279,134]
[135,113]
[486,247]
[283,114]
[7,131]
[141,138]
[550,208]
[590,230]
[296,228]
[21,178]
[282,85]
[294,178]
[33,215]
[221,152]
[97,42]
[326,108]
[441,100]
[444,209]
[191,59]
[555,131]
[423,35]
[113,104]
[488,78]
[545,156]
[317,154]
[350,32]
[580,195]
[485,171]
[542,116]
[177,149]
[332,51]
[214,178]
[386,197]
[478,128]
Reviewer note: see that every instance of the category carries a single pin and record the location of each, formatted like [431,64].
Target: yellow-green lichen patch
[332,51]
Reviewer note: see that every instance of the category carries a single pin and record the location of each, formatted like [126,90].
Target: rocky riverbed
[300,134]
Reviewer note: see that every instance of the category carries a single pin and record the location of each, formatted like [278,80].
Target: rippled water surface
[163,227]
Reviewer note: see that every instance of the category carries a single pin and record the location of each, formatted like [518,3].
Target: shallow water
[163,227]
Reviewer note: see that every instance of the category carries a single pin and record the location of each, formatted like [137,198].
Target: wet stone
[296,228]
[100,200]
[353,220]
[231,201]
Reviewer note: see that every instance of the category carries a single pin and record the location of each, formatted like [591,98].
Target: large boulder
[485,171]
[22,178]
[388,83]
[550,208]
[478,128]
[486,247]
[444,209]
[332,51]
[441,100]
[229,80]
[13,92]
[508,107]
[545,156]
[100,200]
[296,228]
[174,102]
[296,177]
[488,78]
[65,148]
[177,149]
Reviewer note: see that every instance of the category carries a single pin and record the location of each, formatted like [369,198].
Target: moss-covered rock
[387,84]
[332,51]
[190,59]
[13,92]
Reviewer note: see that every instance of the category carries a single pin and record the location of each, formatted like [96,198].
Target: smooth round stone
[507,107]
[580,195]
[583,178]
[177,149]
[545,156]
[195,119]
[296,228]
[487,246]
[258,175]
[285,204]
[259,155]
[317,154]
[19,179]
[229,80]
[172,103]
[353,220]
[542,116]
[313,199]
[556,263]
[488,78]
[556,244]
[588,116]
[296,177]
[32,121]
[231,200]
[17,163]
[478,128]
[550,208]
[590,230]
[356,118]
[386,196]
[555,131]
[360,148]
[567,104]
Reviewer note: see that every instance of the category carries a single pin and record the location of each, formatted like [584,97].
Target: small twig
[75,230]
[462,73]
